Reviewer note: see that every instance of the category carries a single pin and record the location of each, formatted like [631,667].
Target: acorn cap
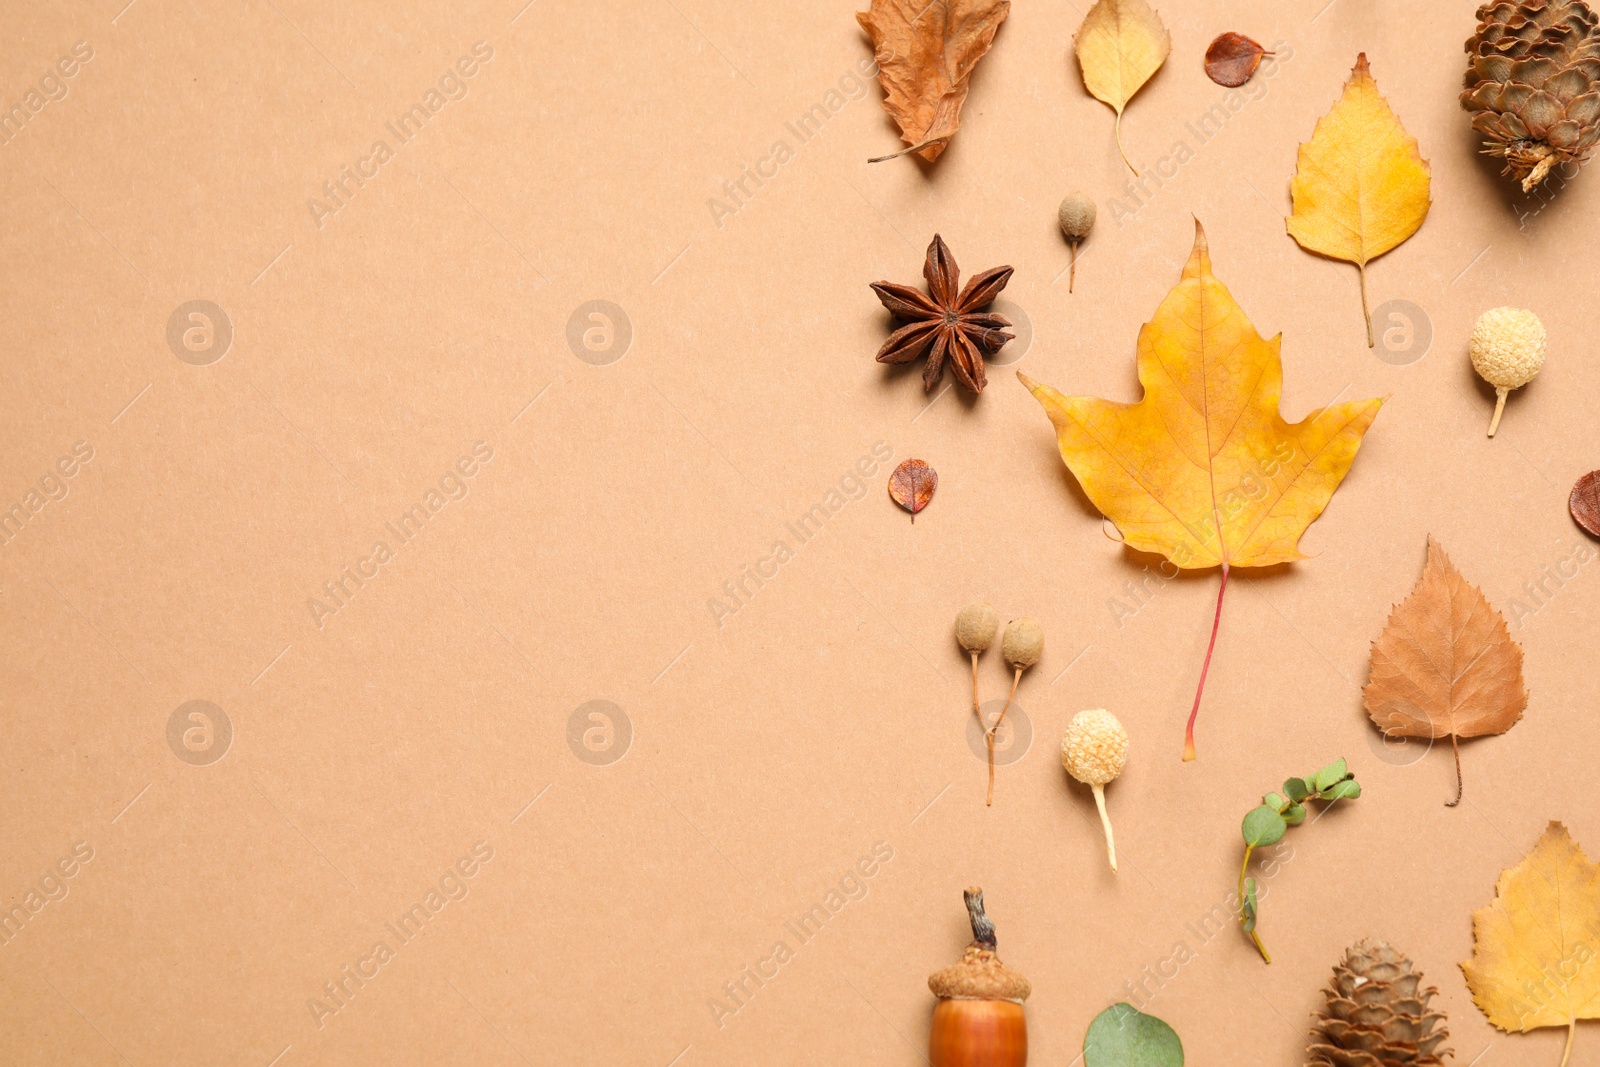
[979,975]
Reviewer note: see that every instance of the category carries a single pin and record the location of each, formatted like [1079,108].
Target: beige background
[772,751]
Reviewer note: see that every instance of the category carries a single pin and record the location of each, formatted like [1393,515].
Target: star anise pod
[947,324]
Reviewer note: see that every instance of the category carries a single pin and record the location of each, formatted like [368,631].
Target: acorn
[978,1021]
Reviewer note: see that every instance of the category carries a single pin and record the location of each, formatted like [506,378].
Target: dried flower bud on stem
[1507,350]
[1022,646]
[976,625]
[1094,750]
[1077,219]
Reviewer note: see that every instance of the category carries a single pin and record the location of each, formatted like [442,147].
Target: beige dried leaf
[1120,45]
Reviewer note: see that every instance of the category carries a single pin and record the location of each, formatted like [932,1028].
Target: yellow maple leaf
[1119,46]
[1360,187]
[1536,948]
[1204,469]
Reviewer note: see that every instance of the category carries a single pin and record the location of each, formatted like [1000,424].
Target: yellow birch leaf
[1120,45]
[1204,469]
[1360,187]
[1536,948]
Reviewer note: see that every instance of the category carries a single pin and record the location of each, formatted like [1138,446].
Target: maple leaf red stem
[1216,623]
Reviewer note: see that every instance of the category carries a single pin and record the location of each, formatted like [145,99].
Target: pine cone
[1377,1014]
[1532,84]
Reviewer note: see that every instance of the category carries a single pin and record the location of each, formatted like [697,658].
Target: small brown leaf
[1585,502]
[1446,665]
[925,54]
[912,485]
[1232,59]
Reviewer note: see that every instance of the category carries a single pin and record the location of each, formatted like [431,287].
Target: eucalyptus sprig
[1267,824]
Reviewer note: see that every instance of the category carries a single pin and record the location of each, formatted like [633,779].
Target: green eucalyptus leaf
[1274,801]
[1295,815]
[1348,789]
[1263,826]
[1122,1036]
[1332,773]
[1296,790]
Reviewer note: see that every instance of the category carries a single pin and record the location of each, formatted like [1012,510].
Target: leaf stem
[1124,152]
[1572,1029]
[929,143]
[1188,737]
[1072,271]
[1361,268]
[1456,745]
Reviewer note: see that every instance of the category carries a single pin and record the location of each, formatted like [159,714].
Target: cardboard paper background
[771,749]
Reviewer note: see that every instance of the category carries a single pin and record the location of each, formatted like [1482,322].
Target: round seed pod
[1507,348]
[1095,747]
[1023,643]
[976,626]
[1077,216]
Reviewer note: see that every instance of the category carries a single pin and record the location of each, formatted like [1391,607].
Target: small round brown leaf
[1585,502]
[912,485]
[1232,58]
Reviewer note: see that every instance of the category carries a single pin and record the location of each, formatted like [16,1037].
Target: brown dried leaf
[1232,59]
[912,485]
[1446,665]
[925,54]
[1585,502]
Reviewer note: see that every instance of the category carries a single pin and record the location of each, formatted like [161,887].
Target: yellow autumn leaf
[1204,469]
[1120,45]
[1536,952]
[1360,187]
